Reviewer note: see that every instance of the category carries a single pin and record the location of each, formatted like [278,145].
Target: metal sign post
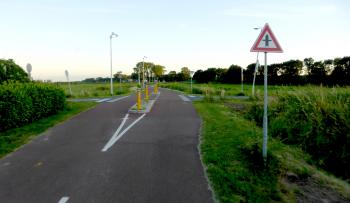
[67,75]
[266,42]
[29,71]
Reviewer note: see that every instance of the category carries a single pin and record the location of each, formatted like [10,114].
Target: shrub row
[318,120]
[22,103]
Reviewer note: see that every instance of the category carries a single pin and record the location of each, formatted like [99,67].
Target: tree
[158,70]
[10,71]
[186,73]
[289,72]
[341,72]
[233,74]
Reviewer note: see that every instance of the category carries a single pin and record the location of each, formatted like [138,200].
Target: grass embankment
[231,151]
[11,139]
[86,90]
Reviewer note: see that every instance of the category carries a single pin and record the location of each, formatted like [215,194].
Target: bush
[22,103]
[316,119]
[10,71]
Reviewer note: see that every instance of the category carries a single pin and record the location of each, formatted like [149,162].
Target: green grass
[235,89]
[11,139]
[97,90]
[231,152]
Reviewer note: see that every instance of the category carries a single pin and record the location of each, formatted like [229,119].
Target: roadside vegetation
[96,90]
[308,143]
[28,108]
[23,103]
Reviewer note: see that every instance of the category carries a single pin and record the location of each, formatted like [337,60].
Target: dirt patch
[309,190]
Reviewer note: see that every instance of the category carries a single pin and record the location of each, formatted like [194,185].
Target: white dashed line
[103,100]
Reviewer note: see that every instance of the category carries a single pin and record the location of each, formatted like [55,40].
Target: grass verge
[11,139]
[232,154]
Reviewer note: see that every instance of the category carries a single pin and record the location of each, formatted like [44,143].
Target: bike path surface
[156,160]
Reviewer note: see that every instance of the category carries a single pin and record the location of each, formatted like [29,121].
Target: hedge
[22,103]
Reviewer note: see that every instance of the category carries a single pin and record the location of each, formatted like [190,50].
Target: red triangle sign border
[255,48]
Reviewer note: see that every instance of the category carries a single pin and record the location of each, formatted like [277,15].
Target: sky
[58,35]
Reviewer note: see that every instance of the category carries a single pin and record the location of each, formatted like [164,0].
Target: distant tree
[317,73]
[220,73]
[341,72]
[185,73]
[233,74]
[89,80]
[289,72]
[249,73]
[308,63]
[197,76]
[172,76]
[158,70]
[10,71]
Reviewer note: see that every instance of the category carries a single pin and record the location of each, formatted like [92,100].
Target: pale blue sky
[55,35]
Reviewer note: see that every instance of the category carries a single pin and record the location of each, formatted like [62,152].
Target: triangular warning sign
[266,41]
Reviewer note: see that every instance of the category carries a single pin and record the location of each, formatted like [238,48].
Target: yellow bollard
[138,99]
[146,93]
[155,88]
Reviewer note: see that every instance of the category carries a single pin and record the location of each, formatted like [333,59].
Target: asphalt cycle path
[108,154]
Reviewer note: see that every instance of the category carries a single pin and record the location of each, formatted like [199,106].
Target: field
[96,90]
[308,142]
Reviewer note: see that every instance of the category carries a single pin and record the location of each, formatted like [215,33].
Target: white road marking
[115,135]
[103,100]
[184,98]
[114,140]
[117,99]
[63,200]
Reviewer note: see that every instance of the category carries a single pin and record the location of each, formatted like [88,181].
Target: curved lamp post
[110,42]
[256,66]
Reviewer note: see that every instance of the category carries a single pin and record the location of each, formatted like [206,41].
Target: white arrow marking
[63,200]
[115,135]
[114,139]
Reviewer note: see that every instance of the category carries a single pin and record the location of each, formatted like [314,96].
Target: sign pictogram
[266,42]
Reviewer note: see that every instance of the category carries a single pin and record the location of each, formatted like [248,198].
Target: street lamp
[143,71]
[110,42]
[256,66]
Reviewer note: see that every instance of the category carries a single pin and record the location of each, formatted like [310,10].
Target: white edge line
[63,200]
[103,100]
[117,99]
[124,131]
[115,135]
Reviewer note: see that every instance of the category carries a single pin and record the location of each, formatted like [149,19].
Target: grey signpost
[67,75]
[266,42]
[29,71]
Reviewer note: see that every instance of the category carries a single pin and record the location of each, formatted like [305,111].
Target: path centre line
[117,99]
[184,98]
[115,135]
[63,200]
[112,141]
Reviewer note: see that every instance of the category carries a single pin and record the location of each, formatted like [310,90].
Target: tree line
[293,72]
